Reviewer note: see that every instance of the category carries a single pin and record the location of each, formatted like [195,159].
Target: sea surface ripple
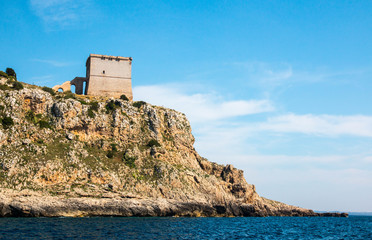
[353,227]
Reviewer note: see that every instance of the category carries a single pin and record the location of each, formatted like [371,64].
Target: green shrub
[129,161]
[69,95]
[113,147]
[139,104]
[94,106]
[110,154]
[3,74]
[91,114]
[11,72]
[37,119]
[7,122]
[49,90]
[4,87]
[111,106]
[153,142]
[117,103]
[123,97]
[17,86]
[82,101]
[30,116]
[44,124]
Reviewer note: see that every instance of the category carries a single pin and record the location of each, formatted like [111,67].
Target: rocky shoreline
[29,204]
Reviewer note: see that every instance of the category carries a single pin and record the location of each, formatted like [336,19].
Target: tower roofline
[107,57]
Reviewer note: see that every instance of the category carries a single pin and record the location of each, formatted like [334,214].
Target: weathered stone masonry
[107,76]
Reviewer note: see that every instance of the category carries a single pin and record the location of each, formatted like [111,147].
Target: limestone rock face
[69,155]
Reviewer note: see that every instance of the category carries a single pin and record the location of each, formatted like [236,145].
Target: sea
[353,227]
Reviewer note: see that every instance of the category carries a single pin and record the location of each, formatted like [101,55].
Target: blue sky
[280,89]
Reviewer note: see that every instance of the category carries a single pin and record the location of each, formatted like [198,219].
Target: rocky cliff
[68,155]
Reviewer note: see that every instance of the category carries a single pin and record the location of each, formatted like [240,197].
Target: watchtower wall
[109,76]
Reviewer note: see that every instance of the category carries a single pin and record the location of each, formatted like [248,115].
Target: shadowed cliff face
[94,151]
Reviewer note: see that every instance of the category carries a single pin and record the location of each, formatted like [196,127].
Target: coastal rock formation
[71,155]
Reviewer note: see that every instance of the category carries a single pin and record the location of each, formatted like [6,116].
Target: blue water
[353,227]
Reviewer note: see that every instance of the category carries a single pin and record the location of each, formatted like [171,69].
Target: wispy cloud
[60,13]
[200,107]
[207,107]
[302,161]
[326,125]
[222,140]
[54,63]
[367,159]
[271,76]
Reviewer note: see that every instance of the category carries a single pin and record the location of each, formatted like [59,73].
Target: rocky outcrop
[69,155]
[31,204]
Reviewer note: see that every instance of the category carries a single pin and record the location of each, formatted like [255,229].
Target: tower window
[103,72]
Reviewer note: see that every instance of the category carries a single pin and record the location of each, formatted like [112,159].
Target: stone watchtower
[106,76]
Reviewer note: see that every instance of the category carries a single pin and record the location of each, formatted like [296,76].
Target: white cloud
[222,141]
[328,125]
[200,107]
[279,76]
[352,163]
[60,13]
[367,159]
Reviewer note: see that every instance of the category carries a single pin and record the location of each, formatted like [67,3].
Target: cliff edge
[69,155]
